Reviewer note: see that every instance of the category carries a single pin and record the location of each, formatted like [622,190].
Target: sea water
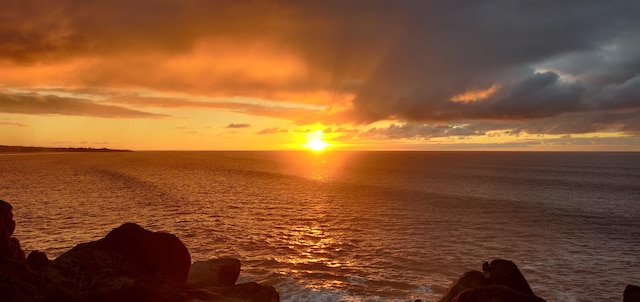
[352,226]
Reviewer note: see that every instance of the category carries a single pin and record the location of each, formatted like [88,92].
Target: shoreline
[15,150]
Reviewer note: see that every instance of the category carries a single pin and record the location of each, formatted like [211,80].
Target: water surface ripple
[368,226]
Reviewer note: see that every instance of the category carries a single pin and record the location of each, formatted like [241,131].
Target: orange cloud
[30,103]
[475,95]
[269,109]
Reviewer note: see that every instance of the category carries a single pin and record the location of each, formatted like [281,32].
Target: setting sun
[315,142]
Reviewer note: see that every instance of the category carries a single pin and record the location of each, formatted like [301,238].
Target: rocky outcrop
[500,280]
[214,272]
[245,292]
[215,280]
[19,283]
[631,293]
[129,264]
[37,261]
[9,246]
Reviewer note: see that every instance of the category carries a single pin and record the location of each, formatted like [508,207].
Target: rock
[9,246]
[494,293]
[631,293]
[164,253]
[506,273]
[468,280]
[37,261]
[18,283]
[245,292]
[499,280]
[214,272]
[129,264]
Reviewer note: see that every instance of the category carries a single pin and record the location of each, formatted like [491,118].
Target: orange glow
[315,142]
[475,95]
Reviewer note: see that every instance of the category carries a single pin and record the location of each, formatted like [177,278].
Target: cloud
[13,124]
[10,122]
[272,131]
[418,131]
[364,61]
[29,103]
[270,110]
[237,126]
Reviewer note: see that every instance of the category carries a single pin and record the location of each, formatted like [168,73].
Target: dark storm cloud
[402,60]
[417,131]
[29,103]
[625,121]
[449,49]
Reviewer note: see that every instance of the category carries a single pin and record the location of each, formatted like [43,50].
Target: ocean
[352,226]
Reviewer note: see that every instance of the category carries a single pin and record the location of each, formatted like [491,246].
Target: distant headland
[25,149]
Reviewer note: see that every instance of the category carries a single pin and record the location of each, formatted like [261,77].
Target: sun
[315,142]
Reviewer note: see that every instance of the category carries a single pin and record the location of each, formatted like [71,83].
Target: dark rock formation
[19,283]
[37,261]
[494,293]
[163,253]
[506,273]
[129,264]
[468,280]
[214,272]
[214,280]
[245,292]
[631,293]
[9,246]
[499,280]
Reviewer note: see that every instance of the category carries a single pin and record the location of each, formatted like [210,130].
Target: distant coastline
[25,149]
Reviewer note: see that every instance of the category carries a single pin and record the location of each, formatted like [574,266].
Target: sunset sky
[364,75]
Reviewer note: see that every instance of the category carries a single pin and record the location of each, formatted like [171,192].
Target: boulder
[244,292]
[631,293]
[129,264]
[468,280]
[214,272]
[499,280]
[163,253]
[37,261]
[494,293]
[506,273]
[9,246]
[18,283]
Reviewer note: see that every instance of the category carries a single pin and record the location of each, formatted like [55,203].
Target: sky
[351,75]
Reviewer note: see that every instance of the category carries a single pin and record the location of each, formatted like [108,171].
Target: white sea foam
[358,280]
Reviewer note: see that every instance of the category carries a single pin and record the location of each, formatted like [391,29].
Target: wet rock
[129,264]
[163,253]
[494,293]
[506,273]
[500,280]
[468,280]
[37,261]
[9,246]
[18,283]
[244,292]
[631,293]
[214,272]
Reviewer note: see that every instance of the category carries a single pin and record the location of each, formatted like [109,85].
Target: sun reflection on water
[321,167]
